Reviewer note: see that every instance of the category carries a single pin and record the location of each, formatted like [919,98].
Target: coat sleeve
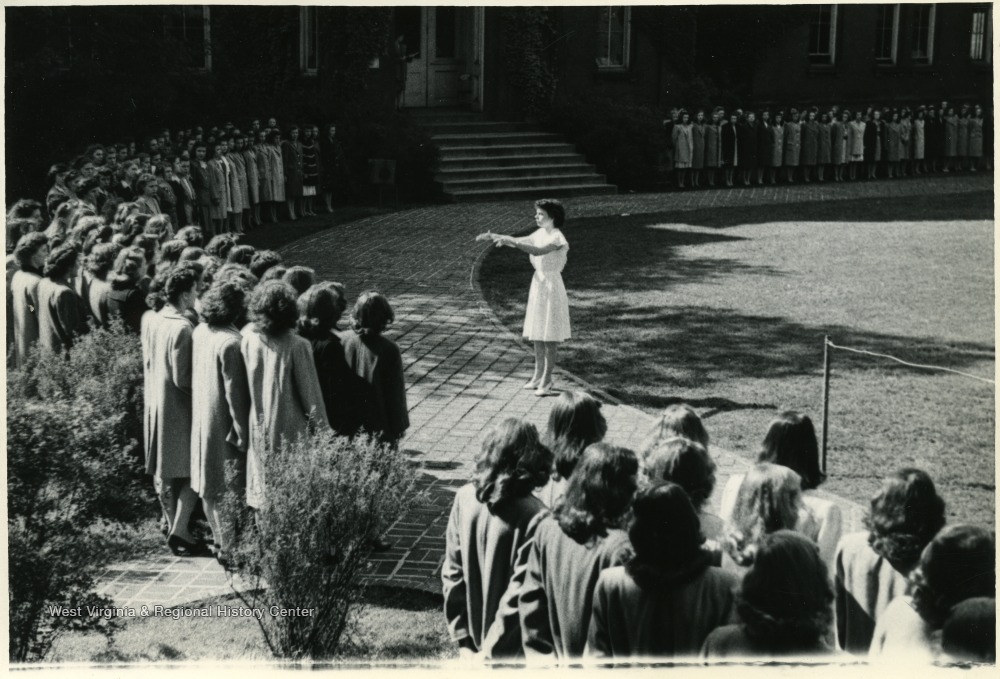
[307,383]
[237,389]
[829,533]
[598,638]
[453,585]
[397,414]
[180,358]
[533,607]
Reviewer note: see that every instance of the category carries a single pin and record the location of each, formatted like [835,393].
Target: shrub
[73,431]
[624,140]
[328,497]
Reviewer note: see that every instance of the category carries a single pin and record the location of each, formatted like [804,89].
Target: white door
[444,46]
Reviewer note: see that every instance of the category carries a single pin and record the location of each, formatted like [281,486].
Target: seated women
[871,567]
[784,604]
[679,419]
[668,597]
[688,464]
[575,422]
[958,564]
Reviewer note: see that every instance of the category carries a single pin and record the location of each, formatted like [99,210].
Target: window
[923,34]
[887,34]
[445,25]
[823,34]
[981,38]
[613,29]
[308,40]
[189,24]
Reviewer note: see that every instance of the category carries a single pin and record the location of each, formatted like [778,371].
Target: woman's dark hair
[170,252]
[785,601]
[300,277]
[129,268]
[223,303]
[511,463]
[554,209]
[372,314]
[666,537]
[60,261]
[272,307]
[241,254]
[905,515]
[220,245]
[192,234]
[791,442]
[101,259]
[191,254]
[575,422]
[272,135]
[142,181]
[678,419]
[275,273]
[24,209]
[685,463]
[149,244]
[599,492]
[238,274]
[180,280]
[28,246]
[769,499]
[16,229]
[264,260]
[320,307]
[56,170]
[958,564]
[970,632]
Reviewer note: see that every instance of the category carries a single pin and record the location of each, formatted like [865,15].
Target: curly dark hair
[678,419]
[192,235]
[101,259]
[511,463]
[241,254]
[181,279]
[274,273]
[575,422]
[905,515]
[785,600]
[958,564]
[554,209]
[372,314]
[685,463]
[300,277]
[223,304]
[599,492]
[220,245]
[264,260]
[320,307]
[60,261]
[272,308]
[28,246]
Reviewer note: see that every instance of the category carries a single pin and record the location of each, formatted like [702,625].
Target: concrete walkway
[463,369]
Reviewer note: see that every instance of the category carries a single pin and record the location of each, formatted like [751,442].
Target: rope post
[826,396]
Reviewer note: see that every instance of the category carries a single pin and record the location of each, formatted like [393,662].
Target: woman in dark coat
[61,312]
[764,148]
[874,142]
[333,166]
[825,146]
[793,145]
[746,142]
[839,152]
[950,140]
[127,297]
[727,138]
[713,150]
[893,141]
[291,155]
[31,252]
[933,139]
[697,148]
[310,168]
[320,308]
[810,144]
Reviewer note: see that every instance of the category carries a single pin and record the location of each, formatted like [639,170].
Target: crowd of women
[223,179]
[240,352]
[745,148]
[566,546]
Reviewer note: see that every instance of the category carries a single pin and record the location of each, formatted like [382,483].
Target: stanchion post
[826,396]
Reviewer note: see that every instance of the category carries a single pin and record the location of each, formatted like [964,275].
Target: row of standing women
[566,547]
[891,143]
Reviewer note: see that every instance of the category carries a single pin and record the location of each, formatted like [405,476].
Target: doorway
[443,47]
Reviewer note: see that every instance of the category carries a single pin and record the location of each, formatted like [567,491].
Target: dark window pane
[444,32]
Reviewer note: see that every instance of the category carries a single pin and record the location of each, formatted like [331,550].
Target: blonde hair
[769,499]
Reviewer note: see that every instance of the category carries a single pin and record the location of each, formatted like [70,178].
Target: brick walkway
[464,370]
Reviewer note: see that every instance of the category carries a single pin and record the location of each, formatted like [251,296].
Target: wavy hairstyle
[372,314]
[958,564]
[101,258]
[905,515]
[785,600]
[129,268]
[264,260]
[769,499]
[685,463]
[575,422]
[791,442]
[678,419]
[511,463]
[60,260]
[320,307]
[272,308]
[223,303]
[300,277]
[599,492]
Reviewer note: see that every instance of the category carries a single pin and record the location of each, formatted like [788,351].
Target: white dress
[547,316]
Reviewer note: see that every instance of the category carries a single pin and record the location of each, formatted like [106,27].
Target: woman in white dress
[546,321]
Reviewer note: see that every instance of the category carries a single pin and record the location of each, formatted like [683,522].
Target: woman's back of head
[958,564]
[678,419]
[273,308]
[320,307]
[372,314]
[575,422]
[905,515]
[511,462]
[686,463]
[666,537]
[769,499]
[599,492]
[791,442]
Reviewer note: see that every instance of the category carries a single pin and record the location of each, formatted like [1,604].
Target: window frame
[626,42]
[206,28]
[304,30]
[893,57]
[931,20]
[825,59]
[986,36]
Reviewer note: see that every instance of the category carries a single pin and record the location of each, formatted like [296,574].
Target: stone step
[512,171]
[423,116]
[446,141]
[587,179]
[448,163]
[566,191]
[476,127]
[465,152]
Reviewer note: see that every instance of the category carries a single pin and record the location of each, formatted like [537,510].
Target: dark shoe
[181,547]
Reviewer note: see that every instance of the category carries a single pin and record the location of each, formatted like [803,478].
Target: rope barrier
[907,363]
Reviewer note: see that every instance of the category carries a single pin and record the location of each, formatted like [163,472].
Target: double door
[443,45]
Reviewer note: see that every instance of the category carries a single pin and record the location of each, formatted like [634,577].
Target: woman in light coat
[220,404]
[253,181]
[276,164]
[219,188]
[976,138]
[292,155]
[856,143]
[777,132]
[683,141]
[917,143]
[265,182]
[793,145]
[284,388]
[838,144]
[31,251]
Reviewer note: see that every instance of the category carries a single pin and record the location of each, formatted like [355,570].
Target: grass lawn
[393,625]
[726,309]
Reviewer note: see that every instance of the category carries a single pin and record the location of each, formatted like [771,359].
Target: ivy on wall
[527,32]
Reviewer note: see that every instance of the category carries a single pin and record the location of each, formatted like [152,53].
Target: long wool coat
[975,137]
[669,621]
[874,141]
[284,394]
[825,144]
[810,143]
[917,140]
[905,132]
[253,180]
[378,388]
[777,133]
[962,143]
[764,149]
[264,188]
[698,146]
[856,140]
[727,139]
[218,186]
[746,143]
[220,403]
[839,142]
[683,145]
[291,153]
[482,543]
[713,153]
[237,183]
[24,294]
[166,358]
[950,136]
[865,583]
[793,144]
[893,141]
[61,316]
[276,172]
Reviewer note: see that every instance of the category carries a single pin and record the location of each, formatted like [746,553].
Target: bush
[624,140]
[328,498]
